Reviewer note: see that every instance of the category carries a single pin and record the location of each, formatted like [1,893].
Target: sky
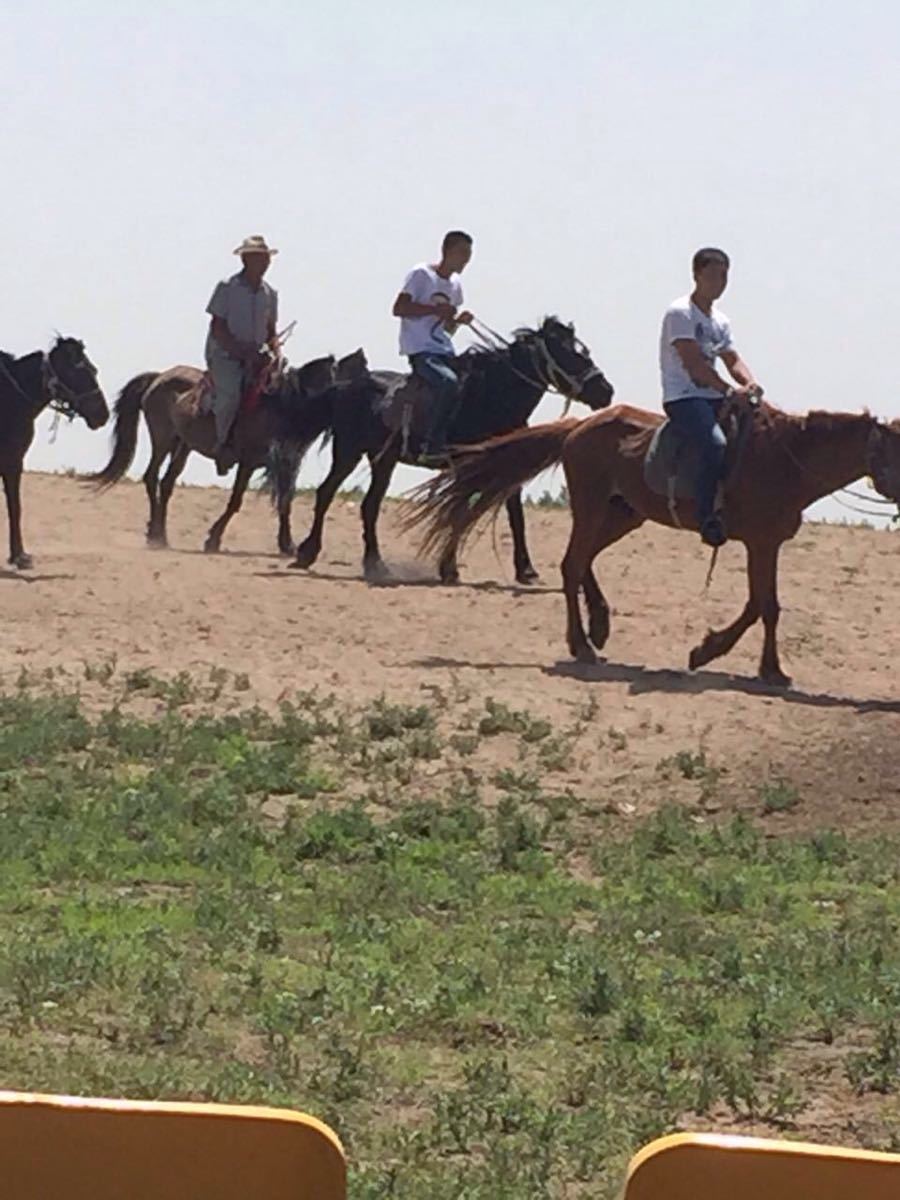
[589,147]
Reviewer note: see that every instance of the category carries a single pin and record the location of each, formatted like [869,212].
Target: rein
[545,379]
[865,512]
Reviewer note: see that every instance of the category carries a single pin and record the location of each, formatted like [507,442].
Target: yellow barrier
[697,1166]
[72,1148]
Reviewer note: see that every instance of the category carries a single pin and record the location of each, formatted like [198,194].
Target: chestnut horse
[787,462]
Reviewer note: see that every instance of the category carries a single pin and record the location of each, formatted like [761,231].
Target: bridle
[65,400]
[548,373]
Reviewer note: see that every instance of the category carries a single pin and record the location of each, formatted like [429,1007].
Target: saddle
[404,406]
[200,398]
[671,462]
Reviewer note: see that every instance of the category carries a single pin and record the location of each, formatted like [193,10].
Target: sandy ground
[97,592]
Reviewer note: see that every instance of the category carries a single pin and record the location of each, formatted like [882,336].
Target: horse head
[884,459]
[73,385]
[568,365]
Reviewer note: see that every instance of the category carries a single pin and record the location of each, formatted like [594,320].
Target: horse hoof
[305,558]
[527,576]
[210,547]
[375,572]
[22,562]
[585,656]
[776,679]
[286,550]
[450,578]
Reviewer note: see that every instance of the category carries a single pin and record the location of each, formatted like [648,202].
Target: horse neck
[524,389]
[831,452]
[36,403]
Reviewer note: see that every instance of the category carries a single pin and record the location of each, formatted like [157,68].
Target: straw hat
[254,245]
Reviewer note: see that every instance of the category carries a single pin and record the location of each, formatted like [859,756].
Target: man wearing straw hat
[242,329]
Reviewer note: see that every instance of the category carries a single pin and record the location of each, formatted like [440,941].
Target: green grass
[339,911]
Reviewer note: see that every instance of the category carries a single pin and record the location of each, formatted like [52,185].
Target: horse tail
[448,507]
[124,438]
[299,424]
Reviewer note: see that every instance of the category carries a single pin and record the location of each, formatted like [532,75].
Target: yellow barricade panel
[718,1167]
[73,1148]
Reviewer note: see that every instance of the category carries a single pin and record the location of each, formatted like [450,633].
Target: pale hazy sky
[590,147]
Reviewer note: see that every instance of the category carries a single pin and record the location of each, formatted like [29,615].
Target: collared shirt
[248,314]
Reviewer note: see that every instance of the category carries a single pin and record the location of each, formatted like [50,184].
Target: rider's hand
[444,310]
[464,318]
[747,391]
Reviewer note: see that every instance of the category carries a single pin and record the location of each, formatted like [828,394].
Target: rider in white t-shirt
[694,334]
[428,307]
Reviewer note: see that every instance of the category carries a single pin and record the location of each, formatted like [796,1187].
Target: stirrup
[713,532]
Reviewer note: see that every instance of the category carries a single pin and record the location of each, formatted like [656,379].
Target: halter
[61,398]
[547,371]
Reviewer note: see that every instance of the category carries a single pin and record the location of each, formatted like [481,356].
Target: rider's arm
[405,306]
[226,339]
[738,370]
[697,367]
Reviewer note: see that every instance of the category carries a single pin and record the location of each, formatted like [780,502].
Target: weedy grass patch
[318,908]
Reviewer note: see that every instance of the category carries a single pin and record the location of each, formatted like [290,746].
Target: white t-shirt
[427,335]
[712,334]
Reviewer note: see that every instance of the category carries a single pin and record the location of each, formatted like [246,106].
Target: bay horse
[63,379]
[787,463]
[178,424]
[500,386]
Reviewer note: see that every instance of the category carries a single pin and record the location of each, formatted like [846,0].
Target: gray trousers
[228,386]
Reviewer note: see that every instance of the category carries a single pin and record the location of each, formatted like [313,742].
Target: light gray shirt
[248,314]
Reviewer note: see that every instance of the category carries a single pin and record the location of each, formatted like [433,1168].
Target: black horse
[66,380]
[501,388]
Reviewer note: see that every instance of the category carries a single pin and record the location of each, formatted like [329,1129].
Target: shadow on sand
[646,679]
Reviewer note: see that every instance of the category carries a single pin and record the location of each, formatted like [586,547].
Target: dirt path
[97,593]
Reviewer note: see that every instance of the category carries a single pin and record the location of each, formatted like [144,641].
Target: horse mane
[482,356]
[782,428]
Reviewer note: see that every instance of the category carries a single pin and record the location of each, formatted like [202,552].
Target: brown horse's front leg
[719,641]
[769,667]
[762,566]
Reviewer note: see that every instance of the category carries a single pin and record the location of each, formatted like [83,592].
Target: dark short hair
[454,237]
[708,255]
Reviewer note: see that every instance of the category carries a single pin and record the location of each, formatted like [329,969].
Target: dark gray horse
[501,388]
[179,422]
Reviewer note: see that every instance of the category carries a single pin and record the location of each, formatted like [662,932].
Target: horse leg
[524,568]
[589,510]
[762,563]
[214,537]
[382,464]
[765,572]
[12,484]
[342,463]
[176,466]
[285,537]
[151,484]
[448,567]
[618,520]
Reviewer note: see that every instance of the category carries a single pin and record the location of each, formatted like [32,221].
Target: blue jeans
[696,420]
[439,372]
